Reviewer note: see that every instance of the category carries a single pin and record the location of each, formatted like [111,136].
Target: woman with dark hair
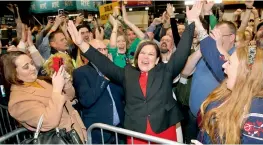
[31,98]
[150,107]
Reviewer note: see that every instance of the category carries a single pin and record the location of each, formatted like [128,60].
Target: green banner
[49,6]
[89,5]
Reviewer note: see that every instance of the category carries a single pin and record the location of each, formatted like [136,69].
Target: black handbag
[55,136]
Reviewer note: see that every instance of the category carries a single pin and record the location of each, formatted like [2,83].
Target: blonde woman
[67,62]
[232,114]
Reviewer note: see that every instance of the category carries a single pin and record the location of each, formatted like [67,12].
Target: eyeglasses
[101,49]
[227,35]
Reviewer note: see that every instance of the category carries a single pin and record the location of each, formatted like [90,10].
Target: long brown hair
[8,67]
[224,122]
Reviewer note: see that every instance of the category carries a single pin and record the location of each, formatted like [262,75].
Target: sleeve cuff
[32,49]
[22,46]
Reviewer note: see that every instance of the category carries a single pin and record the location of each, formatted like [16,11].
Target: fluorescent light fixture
[146,8]
[218,1]
[130,9]
[191,2]
[73,15]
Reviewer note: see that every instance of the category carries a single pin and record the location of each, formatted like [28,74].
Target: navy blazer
[91,90]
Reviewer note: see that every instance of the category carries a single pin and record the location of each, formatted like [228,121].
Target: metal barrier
[12,134]
[10,131]
[7,123]
[126,132]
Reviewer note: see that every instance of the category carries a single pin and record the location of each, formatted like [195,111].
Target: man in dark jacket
[101,100]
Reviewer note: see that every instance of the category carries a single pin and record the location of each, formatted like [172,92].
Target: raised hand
[124,13]
[218,37]
[157,21]
[208,6]
[116,11]
[170,10]
[238,12]
[249,3]
[75,35]
[99,34]
[58,20]
[194,13]
[79,19]
[11,8]
[58,80]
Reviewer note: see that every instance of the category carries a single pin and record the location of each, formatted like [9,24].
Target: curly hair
[67,61]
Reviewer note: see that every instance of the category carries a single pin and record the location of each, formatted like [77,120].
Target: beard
[163,48]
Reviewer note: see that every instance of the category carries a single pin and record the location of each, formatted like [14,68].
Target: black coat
[159,105]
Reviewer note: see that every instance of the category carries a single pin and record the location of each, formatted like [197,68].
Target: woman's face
[231,67]
[25,68]
[121,44]
[147,58]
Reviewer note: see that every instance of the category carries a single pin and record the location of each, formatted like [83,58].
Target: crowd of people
[198,81]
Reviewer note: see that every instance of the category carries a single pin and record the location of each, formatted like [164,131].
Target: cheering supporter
[223,122]
[118,46]
[31,98]
[56,40]
[166,81]
[138,116]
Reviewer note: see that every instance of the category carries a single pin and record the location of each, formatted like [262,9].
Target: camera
[60,11]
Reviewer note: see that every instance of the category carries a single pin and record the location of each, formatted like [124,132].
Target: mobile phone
[57,63]
[60,11]
[51,18]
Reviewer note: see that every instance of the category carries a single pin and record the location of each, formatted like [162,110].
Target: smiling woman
[31,98]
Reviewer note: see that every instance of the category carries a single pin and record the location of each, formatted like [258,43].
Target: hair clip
[252,51]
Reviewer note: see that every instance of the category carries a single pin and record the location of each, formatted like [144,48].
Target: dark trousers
[189,125]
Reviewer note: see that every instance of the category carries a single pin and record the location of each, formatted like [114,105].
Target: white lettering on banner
[55,4]
[33,6]
[68,3]
[84,2]
[43,6]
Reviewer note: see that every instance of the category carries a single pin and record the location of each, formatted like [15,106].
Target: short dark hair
[8,67]
[230,25]
[84,26]
[52,35]
[139,49]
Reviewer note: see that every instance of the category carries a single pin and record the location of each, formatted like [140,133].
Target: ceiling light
[146,8]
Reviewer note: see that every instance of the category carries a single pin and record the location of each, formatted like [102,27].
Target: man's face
[131,35]
[181,29]
[227,36]
[166,44]
[59,42]
[84,32]
[100,46]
